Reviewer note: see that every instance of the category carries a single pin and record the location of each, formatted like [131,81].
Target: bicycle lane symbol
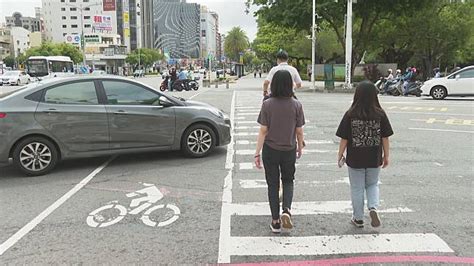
[149,196]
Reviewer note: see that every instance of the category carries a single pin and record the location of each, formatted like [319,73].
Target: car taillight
[3,115]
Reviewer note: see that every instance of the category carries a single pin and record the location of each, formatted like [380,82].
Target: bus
[49,66]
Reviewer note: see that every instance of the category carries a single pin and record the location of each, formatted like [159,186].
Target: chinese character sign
[102,23]
[108,5]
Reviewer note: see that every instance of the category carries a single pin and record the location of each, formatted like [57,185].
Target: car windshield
[12,73]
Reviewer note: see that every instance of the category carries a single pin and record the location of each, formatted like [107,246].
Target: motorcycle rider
[408,78]
[390,74]
[173,78]
[437,73]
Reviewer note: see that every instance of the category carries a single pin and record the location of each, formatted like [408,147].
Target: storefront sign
[108,5]
[102,23]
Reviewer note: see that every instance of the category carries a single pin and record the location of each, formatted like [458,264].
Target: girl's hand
[385,162]
[258,162]
[299,152]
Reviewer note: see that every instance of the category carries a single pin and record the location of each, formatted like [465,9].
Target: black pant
[279,163]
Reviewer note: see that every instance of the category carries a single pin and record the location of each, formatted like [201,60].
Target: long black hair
[365,105]
[282,84]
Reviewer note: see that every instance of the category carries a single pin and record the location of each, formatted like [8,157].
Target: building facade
[209,31]
[71,17]
[5,42]
[20,40]
[29,23]
[176,28]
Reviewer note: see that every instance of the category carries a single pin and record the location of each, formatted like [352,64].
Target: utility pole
[313,47]
[348,83]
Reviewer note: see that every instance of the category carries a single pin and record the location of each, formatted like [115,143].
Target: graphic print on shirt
[365,133]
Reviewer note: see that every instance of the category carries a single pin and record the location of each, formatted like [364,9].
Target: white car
[459,83]
[15,77]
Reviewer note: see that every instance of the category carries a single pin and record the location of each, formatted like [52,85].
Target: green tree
[52,49]
[236,42]
[296,14]
[144,56]
[9,61]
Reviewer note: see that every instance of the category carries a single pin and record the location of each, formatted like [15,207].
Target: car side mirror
[165,102]
[458,76]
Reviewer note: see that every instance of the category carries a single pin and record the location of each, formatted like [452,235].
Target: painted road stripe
[352,260]
[262,183]
[305,151]
[246,134]
[308,142]
[38,219]
[250,166]
[442,130]
[426,113]
[305,208]
[341,244]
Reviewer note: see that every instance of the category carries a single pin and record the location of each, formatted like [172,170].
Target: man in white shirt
[282,61]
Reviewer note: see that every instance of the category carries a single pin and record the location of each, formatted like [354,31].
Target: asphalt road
[427,194]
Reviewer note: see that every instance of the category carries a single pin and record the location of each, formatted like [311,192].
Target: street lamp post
[348,83]
[313,46]
[83,42]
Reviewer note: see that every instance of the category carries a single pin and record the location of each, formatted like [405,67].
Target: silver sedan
[44,122]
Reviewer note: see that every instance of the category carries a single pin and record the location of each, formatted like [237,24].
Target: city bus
[49,66]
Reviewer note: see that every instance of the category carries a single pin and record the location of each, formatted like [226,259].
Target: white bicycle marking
[149,196]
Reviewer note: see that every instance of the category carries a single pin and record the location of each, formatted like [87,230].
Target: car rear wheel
[198,141]
[439,93]
[35,156]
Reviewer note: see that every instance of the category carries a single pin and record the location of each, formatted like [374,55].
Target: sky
[231,13]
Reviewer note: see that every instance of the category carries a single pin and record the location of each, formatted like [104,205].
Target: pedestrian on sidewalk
[281,141]
[364,132]
[260,73]
[255,73]
[282,61]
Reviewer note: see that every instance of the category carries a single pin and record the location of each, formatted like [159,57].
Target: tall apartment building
[129,21]
[5,42]
[28,23]
[209,31]
[176,28]
[70,17]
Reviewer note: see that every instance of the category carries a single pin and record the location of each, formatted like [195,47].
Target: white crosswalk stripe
[244,122]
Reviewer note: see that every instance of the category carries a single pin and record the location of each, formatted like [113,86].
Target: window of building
[64,26]
[73,26]
[73,9]
[64,34]
[62,1]
[63,17]
[87,9]
[63,9]
[73,17]
[85,1]
[87,25]
[87,17]
[72,1]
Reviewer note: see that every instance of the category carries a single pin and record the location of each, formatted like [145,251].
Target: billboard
[108,5]
[102,23]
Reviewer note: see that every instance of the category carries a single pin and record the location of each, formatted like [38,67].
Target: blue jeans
[364,179]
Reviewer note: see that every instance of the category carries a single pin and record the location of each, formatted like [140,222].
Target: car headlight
[217,112]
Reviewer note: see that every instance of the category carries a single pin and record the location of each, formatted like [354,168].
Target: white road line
[224,232]
[305,208]
[305,151]
[250,166]
[308,142]
[246,122]
[262,183]
[38,219]
[247,107]
[442,130]
[246,134]
[342,244]
[254,114]
[438,164]
[425,113]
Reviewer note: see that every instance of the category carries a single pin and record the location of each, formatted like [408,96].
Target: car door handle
[50,111]
[120,112]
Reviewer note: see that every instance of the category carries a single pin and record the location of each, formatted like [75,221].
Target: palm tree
[236,42]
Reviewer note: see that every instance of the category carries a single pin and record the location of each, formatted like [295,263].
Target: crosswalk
[319,155]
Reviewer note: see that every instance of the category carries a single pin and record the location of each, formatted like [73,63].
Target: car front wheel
[35,156]
[198,141]
[439,93]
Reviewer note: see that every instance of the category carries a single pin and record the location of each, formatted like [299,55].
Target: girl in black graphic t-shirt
[364,132]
